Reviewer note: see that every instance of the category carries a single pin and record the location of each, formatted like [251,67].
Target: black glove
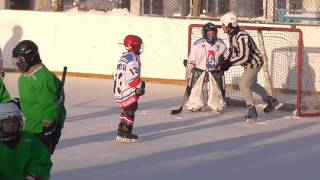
[2,73]
[185,62]
[33,177]
[48,131]
[225,65]
[16,101]
[140,89]
[50,136]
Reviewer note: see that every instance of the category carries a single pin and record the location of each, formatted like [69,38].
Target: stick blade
[176,111]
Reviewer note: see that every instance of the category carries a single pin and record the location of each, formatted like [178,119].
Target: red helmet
[133,43]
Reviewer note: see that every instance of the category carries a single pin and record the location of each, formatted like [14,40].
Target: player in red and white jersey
[203,65]
[128,86]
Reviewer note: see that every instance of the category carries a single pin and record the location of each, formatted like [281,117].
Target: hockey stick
[63,79]
[265,64]
[186,92]
[184,101]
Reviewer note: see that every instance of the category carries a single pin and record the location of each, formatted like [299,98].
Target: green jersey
[39,98]
[29,157]
[4,95]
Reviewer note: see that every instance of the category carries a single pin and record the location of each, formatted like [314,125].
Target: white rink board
[88,42]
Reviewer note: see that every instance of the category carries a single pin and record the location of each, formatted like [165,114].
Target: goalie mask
[211,38]
[25,55]
[133,44]
[11,123]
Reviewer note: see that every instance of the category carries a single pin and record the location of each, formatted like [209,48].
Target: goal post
[286,75]
[265,64]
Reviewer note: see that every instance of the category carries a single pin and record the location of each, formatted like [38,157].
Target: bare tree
[196,4]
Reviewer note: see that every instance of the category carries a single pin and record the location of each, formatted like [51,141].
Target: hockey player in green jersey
[4,95]
[22,155]
[40,95]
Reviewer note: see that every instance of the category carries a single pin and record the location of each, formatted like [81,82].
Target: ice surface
[195,146]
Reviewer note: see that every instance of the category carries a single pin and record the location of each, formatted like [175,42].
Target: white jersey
[126,79]
[206,56]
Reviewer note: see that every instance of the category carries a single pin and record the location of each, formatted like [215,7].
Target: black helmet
[209,27]
[25,55]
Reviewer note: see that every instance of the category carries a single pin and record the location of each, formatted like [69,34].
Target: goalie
[206,80]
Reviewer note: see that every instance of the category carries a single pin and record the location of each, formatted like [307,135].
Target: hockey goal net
[291,77]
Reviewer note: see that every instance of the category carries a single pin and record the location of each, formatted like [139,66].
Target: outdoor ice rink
[189,146]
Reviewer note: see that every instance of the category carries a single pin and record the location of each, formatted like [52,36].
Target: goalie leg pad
[215,101]
[196,100]
[219,77]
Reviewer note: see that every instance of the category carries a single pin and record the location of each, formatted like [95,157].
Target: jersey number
[117,83]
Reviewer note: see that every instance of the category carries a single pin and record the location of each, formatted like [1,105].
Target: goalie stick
[186,92]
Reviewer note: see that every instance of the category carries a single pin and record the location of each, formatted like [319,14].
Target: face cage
[211,40]
[20,63]
[10,136]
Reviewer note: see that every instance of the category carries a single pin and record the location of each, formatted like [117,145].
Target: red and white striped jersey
[126,79]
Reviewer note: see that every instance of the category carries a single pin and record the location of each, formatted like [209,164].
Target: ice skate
[195,110]
[125,135]
[272,104]
[252,115]
[127,138]
[217,111]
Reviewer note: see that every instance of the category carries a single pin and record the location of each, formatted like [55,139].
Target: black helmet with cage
[26,55]
[209,27]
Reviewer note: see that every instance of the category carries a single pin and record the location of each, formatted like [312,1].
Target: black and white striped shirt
[244,51]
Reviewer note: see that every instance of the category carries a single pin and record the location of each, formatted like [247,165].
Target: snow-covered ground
[195,146]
